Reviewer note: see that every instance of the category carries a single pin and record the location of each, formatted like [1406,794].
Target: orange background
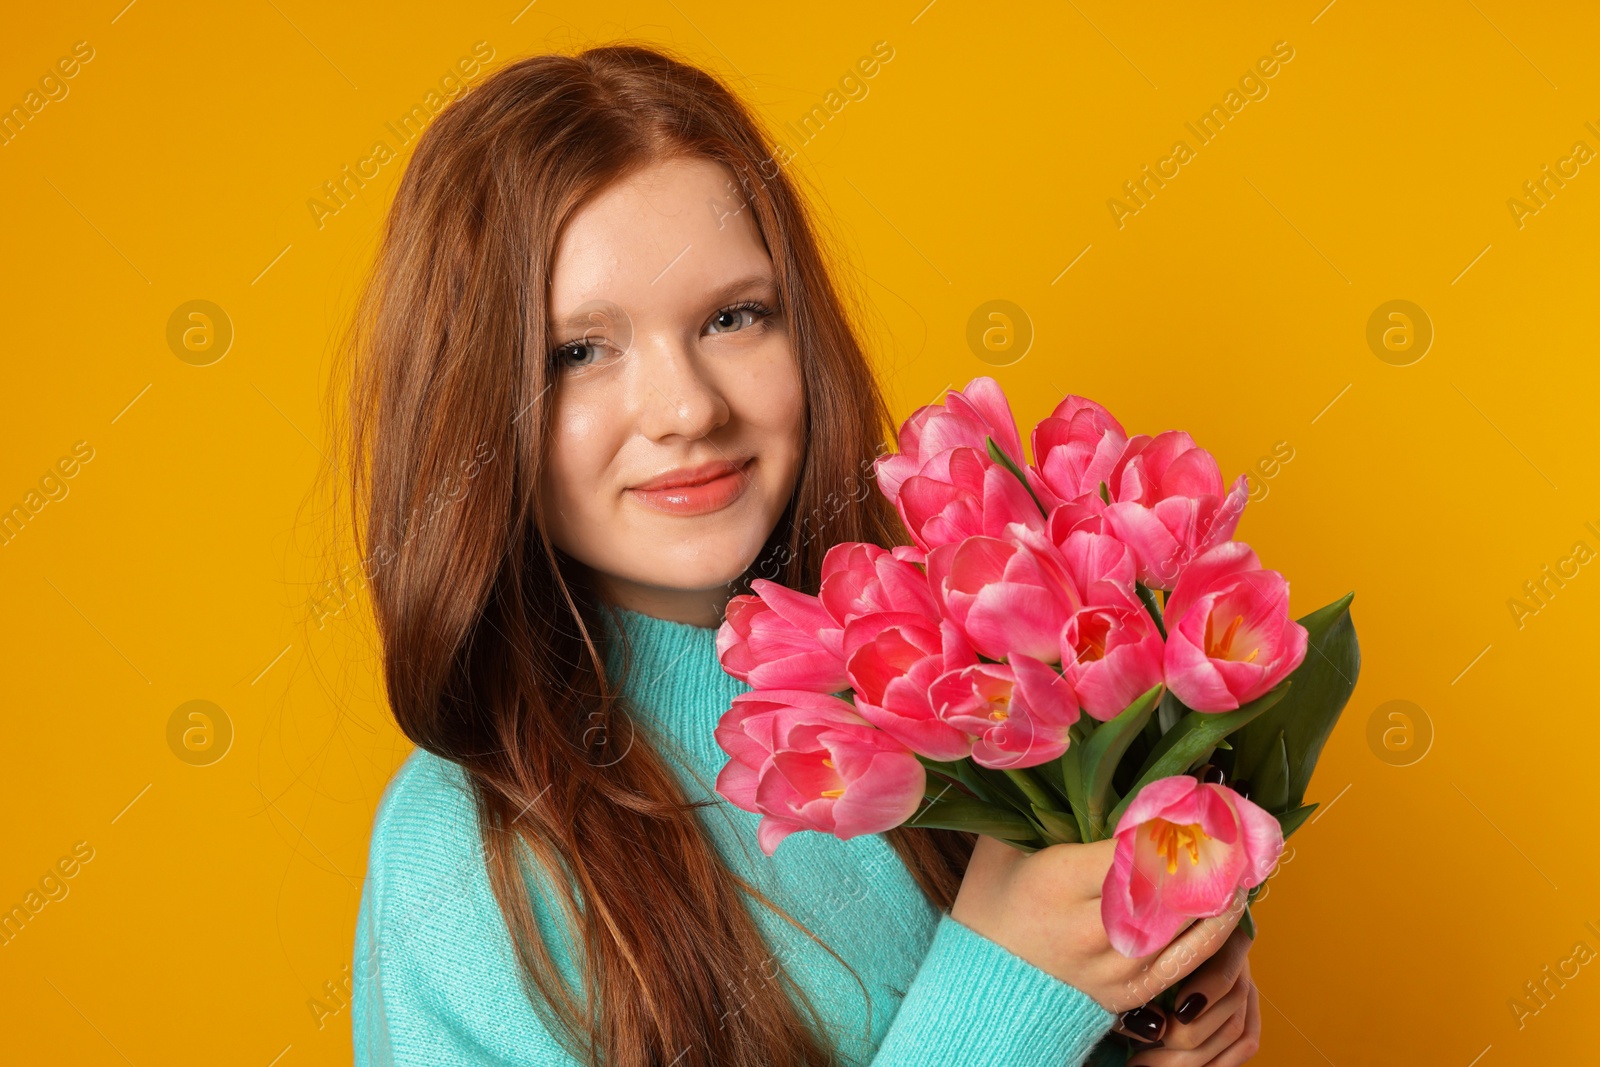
[183,562]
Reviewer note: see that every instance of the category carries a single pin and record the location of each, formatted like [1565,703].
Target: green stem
[1032,789]
[1005,461]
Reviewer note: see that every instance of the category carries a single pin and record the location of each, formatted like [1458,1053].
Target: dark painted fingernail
[1192,1006]
[1145,1023]
[1241,786]
[1211,773]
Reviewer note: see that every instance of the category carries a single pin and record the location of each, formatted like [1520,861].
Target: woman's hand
[1045,907]
[1218,1018]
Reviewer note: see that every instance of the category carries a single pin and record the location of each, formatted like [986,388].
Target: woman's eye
[730,320]
[578,354]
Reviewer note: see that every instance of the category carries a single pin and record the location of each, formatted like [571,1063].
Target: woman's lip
[699,499]
[686,476]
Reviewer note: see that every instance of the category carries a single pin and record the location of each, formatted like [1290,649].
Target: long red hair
[493,642]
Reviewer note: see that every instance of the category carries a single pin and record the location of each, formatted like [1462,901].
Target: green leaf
[1321,687]
[1196,734]
[1171,711]
[969,776]
[1270,787]
[1217,725]
[1050,774]
[1004,790]
[964,813]
[1058,825]
[1038,796]
[1291,821]
[951,769]
[1072,782]
[1103,752]
[1148,595]
[999,456]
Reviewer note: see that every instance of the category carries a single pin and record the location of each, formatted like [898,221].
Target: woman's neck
[694,607]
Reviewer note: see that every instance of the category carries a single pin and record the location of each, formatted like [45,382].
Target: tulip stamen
[1219,649]
[828,763]
[1172,838]
[1092,634]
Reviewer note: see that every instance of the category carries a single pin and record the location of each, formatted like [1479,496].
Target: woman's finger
[1222,1041]
[1147,1023]
[1250,1041]
[1194,1035]
[1081,867]
[1188,950]
[1212,980]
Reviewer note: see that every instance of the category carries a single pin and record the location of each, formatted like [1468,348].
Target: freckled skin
[661,380]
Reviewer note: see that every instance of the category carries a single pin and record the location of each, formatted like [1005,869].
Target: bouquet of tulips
[1074,648]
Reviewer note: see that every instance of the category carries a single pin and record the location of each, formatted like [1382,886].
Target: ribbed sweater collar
[676,683]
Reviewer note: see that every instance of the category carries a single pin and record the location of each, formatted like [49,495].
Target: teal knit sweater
[435,979]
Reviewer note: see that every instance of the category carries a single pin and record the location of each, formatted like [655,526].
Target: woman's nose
[678,397]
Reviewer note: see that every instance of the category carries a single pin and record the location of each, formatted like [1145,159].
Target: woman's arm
[1021,971]
[976,1004]
[433,969]
[405,1013]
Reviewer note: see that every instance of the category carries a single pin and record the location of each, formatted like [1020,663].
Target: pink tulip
[1018,713]
[1184,850]
[962,493]
[1009,596]
[1074,450]
[1086,514]
[893,658]
[781,639]
[862,579]
[1111,651]
[1169,504]
[1229,634]
[805,761]
[964,420]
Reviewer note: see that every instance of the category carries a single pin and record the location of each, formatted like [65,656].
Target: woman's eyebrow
[763,281]
[601,313]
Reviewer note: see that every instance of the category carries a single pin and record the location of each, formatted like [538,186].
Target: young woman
[603,380]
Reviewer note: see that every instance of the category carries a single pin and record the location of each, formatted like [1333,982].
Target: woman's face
[673,365]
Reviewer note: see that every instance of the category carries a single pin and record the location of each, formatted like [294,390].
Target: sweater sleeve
[975,1003]
[430,942]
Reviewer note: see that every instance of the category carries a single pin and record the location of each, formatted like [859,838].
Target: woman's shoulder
[427,810]
[425,864]
[427,880]
[425,831]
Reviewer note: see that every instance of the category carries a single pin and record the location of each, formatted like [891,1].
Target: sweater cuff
[975,1003]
